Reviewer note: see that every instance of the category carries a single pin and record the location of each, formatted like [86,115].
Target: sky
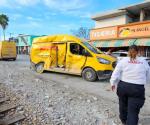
[46,17]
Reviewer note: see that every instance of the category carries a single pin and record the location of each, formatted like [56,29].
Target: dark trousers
[131,99]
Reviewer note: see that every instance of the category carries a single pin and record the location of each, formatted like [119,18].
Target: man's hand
[113,87]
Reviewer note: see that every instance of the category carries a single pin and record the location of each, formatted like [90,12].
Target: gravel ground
[53,101]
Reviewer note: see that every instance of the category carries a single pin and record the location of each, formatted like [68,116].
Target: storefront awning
[114,43]
[143,42]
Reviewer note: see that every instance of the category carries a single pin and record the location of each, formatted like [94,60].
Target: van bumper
[106,74]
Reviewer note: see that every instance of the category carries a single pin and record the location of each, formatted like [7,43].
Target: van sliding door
[58,55]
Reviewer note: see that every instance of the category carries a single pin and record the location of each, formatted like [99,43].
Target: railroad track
[5,107]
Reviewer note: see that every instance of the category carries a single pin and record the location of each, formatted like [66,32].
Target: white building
[123,27]
[130,14]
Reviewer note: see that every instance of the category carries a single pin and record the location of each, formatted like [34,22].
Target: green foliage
[4,22]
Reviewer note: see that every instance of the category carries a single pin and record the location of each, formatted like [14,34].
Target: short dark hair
[134,47]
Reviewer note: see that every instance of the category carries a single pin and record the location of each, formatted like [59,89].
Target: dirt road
[59,99]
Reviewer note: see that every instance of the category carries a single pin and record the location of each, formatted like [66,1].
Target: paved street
[54,98]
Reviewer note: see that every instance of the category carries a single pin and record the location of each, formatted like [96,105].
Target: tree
[4,23]
[82,32]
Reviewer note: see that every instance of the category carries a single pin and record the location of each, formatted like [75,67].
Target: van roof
[56,38]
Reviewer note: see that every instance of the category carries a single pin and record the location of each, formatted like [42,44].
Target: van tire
[39,68]
[32,66]
[89,74]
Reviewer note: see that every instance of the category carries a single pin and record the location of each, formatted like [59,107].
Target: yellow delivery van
[8,50]
[69,54]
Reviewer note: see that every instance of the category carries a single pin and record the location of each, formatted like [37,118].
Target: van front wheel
[39,67]
[89,74]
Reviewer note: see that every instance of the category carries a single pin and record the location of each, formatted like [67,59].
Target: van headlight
[103,61]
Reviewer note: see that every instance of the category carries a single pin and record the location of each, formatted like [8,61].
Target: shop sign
[104,33]
[134,31]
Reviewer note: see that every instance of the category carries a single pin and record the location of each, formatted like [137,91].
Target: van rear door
[8,50]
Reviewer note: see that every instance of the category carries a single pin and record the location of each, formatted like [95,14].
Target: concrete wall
[119,20]
[111,21]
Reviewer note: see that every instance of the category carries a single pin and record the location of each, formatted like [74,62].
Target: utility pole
[10,34]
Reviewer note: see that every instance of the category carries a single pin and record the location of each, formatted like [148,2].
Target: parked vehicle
[8,50]
[147,59]
[121,54]
[68,54]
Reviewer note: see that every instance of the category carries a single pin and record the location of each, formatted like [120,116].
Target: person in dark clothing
[130,76]
[76,49]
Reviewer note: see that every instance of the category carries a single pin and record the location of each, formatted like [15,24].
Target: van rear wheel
[39,67]
[32,66]
[89,74]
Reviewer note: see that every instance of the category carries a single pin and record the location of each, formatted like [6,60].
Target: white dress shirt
[134,72]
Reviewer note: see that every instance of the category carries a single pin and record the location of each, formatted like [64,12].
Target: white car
[120,54]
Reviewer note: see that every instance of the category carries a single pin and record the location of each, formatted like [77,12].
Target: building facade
[24,43]
[123,27]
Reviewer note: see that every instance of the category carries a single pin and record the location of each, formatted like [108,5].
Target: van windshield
[93,49]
